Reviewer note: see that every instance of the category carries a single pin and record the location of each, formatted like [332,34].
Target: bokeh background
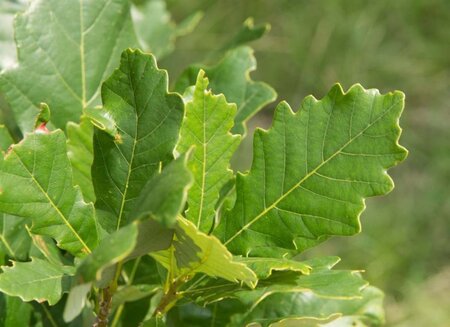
[385,44]
[390,45]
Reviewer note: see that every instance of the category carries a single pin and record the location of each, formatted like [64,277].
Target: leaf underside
[312,171]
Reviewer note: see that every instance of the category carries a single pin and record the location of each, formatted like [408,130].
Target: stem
[105,306]
[106,300]
[169,298]
[129,282]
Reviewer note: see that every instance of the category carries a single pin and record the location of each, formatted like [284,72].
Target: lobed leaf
[312,171]
[308,309]
[148,119]
[36,183]
[37,280]
[231,76]
[195,252]
[65,50]
[206,126]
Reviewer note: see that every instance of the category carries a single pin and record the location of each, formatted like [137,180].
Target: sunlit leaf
[36,183]
[312,171]
[231,76]
[206,126]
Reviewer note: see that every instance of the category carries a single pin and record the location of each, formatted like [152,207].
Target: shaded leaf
[164,196]
[14,312]
[206,125]
[131,241]
[312,171]
[5,138]
[195,252]
[130,293]
[308,309]
[65,50]
[154,322]
[37,280]
[248,33]
[321,280]
[14,239]
[36,183]
[155,29]
[148,119]
[231,76]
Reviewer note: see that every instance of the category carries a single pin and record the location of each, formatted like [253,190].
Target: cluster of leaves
[120,207]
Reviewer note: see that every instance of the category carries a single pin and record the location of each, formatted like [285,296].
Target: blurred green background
[390,45]
[385,44]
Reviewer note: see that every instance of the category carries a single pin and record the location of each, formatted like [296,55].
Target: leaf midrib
[307,176]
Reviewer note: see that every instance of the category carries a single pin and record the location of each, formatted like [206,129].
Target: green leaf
[164,196]
[155,29]
[131,241]
[76,301]
[101,119]
[81,155]
[148,119]
[248,33]
[5,138]
[36,183]
[37,280]
[65,50]
[231,76]
[14,312]
[14,239]
[263,267]
[195,252]
[130,293]
[154,322]
[43,247]
[320,279]
[206,125]
[308,309]
[312,171]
